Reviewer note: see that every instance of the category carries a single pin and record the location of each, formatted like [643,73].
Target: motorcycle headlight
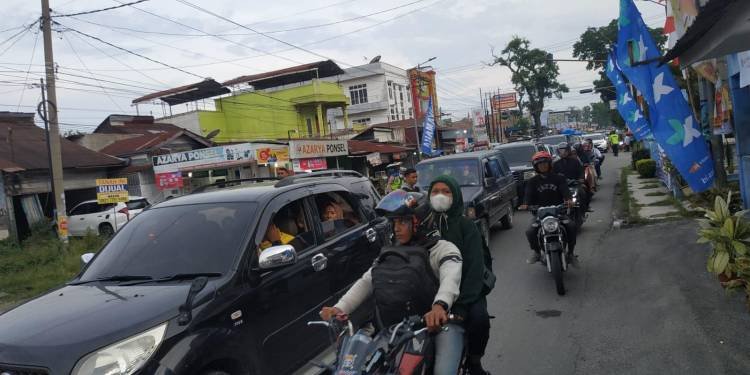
[528,175]
[550,224]
[122,358]
[471,213]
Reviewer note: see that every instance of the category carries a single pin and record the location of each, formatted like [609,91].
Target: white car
[105,220]
[600,141]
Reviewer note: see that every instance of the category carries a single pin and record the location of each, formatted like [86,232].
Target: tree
[595,44]
[586,114]
[533,73]
[601,114]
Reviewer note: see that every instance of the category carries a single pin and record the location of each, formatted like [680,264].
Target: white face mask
[441,202]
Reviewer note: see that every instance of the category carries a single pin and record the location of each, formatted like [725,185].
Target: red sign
[169,180]
[301,165]
[504,101]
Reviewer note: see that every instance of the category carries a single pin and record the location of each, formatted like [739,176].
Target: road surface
[640,303]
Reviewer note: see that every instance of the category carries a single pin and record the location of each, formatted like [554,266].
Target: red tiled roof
[24,145]
[365,147]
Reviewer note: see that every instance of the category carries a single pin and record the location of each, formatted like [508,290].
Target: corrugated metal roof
[365,147]
[187,93]
[24,145]
[137,144]
[295,74]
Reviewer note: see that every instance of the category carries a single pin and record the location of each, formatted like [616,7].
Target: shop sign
[111,190]
[374,159]
[303,165]
[317,149]
[169,180]
[217,156]
[272,155]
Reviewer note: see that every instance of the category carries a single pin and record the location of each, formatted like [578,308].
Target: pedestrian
[614,141]
[410,181]
[283,172]
[394,180]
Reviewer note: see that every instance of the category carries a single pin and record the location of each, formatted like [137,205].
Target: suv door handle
[371,235]
[319,262]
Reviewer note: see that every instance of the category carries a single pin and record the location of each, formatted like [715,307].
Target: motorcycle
[552,237]
[577,212]
[405,348]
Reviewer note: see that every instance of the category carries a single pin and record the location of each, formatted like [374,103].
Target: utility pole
[58,187]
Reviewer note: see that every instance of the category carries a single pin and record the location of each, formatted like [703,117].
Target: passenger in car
[275,237]
[332,211]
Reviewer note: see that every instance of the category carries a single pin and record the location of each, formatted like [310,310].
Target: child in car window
[275,237]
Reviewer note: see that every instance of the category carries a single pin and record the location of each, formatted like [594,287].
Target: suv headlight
[528,175]
[550,224]
[124,357]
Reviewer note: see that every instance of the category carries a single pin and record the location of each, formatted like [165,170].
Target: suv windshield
[518,155]
[554,139]
[161,242]
[466,172]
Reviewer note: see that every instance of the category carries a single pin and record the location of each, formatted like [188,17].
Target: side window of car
[504,165]
[338,213]
[289,226]
[495,168]
[81,209]
[487,169]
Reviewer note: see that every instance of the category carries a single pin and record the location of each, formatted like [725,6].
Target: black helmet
[401,203]
[563,146]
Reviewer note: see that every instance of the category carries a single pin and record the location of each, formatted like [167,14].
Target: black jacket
[547,190]
[406,187]
[569,167]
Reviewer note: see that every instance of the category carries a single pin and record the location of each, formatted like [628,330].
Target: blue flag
[626,105]
[672,122]
[428,129]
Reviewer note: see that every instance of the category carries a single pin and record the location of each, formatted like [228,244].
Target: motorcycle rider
[477,280]
[595,155]
[571,167]
[547,189]
[406,211]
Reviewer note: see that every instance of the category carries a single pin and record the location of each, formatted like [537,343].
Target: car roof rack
[224,184]
[291,180]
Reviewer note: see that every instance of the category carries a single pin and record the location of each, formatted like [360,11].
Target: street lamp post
[419,90]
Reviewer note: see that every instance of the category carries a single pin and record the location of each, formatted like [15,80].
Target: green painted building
[282,104]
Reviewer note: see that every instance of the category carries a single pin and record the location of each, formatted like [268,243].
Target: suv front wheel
[106,230]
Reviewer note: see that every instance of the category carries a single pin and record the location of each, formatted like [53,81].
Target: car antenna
[186,309]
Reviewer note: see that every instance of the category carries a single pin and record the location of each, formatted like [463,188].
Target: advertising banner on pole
[428,130]
[111,190]
[480,128]
[504,101]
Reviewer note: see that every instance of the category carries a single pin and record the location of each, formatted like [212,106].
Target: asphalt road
[640,303]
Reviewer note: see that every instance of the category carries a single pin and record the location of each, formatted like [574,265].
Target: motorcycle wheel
[557,272]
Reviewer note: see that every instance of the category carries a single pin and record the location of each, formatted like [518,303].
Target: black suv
[486,182]
[518,155]
[200,284]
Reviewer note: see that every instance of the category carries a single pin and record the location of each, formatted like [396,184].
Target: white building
[378,92]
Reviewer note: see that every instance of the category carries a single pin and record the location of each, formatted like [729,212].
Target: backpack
[403,284]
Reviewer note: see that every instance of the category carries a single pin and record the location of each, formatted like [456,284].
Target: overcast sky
[460,33]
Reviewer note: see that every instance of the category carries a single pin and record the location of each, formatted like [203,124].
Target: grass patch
[665,202]
[627,202]
[40,263]
[655,194]
[649,186]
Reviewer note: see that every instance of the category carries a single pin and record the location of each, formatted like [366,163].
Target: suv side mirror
[86,258]
[277,256]
[488,181]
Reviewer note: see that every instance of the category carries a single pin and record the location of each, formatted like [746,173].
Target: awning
[188,93]
[721,28]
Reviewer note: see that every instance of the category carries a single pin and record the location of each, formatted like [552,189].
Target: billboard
[480,127]
[272,155]
[111,190]
[423,88]
[504,101]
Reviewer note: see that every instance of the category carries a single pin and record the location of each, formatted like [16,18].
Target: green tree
[601,114]
[586,114]
[595,44]
[534,73]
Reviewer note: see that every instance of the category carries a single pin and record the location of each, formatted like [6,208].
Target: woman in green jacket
[447,205]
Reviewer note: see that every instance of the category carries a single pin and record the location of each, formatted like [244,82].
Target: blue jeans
[449,347]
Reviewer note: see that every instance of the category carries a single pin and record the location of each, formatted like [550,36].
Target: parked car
[104,219]
[554,140]
[192,286]
[600,141]
[486,181]
[518,155]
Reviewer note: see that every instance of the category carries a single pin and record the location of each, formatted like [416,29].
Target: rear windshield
[466,172]
[137,204]
[165,241]
[518,155]
[554,140]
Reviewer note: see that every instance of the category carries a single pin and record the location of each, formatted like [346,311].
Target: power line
[28,69]
[129,51]
[92,74]
[98,10]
